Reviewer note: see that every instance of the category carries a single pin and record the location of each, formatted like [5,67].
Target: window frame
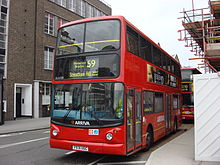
[47,24]
[166,62]
[85,36]
[177,105]
[155,110]
[132,34]
[48,58]
[152,104]
[147,54]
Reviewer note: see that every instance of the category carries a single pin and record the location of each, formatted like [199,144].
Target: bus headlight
[109,136]
[55,132]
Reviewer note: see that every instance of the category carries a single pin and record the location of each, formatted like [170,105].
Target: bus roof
[193,69]
[92,19]
[189,68]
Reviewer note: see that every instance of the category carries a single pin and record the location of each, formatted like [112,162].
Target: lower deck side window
[159,102]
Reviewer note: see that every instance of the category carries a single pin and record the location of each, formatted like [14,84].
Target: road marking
[12,134]
[70,152]
[46,132]
[132,162]
[94,162]
[15,144]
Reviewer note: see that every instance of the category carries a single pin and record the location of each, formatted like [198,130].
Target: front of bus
[88,96]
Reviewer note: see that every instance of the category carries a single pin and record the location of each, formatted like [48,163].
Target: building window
[80,7]
[4,106]
[48,58]
[49,24]
[83,9]
[89,10]
[58,23]
[3,32]
[46,93]
[72,5]
[52,23]
[58,2]
[4,3]
[63,3]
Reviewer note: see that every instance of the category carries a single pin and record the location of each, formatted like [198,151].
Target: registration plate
[80,148]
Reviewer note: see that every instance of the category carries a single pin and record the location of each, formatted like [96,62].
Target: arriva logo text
[82,123]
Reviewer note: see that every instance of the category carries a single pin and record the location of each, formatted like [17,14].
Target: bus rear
[188,106]
[88,93]
[188,93]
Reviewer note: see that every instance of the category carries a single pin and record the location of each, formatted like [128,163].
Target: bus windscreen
[89,37]
[91,102]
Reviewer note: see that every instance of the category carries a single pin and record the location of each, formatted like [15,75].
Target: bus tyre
[175,128]
[149,139]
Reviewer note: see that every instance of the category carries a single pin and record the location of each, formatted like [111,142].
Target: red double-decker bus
[187,93]
[114,90]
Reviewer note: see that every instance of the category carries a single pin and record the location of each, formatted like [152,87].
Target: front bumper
[187,116]
[93,147]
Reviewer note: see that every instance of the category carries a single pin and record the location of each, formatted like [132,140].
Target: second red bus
[187,93]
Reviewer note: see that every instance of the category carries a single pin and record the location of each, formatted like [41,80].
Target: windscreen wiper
[67,113]
[99,121]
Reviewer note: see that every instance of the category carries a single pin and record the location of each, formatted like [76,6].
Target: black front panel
[83,67]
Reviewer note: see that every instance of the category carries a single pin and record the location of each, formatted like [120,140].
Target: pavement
[23,125]
[179,151]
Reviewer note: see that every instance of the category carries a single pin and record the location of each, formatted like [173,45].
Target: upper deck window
[89,37]
[186,75]
[132,41]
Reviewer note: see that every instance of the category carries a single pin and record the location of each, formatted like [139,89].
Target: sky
[158,19]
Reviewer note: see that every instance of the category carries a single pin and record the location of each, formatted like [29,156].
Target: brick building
[27,41]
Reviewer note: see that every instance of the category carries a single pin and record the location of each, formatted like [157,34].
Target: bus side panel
[159,128]
[158,124]
[135,72]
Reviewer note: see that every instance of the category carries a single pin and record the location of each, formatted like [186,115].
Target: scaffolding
[202,34]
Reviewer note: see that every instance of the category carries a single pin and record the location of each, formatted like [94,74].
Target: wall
[207,115]
[20,58]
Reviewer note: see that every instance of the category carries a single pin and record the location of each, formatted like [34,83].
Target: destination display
[160,77]
[187,87]
[83,67]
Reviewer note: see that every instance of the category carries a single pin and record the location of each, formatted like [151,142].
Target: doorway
[23,100]
[18,101]
[1,99]
[134,122]
[168,113]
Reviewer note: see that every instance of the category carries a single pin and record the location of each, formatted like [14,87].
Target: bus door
[133,119]
[168,113]
[138,117]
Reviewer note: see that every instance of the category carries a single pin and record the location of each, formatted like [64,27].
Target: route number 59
[91,63]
